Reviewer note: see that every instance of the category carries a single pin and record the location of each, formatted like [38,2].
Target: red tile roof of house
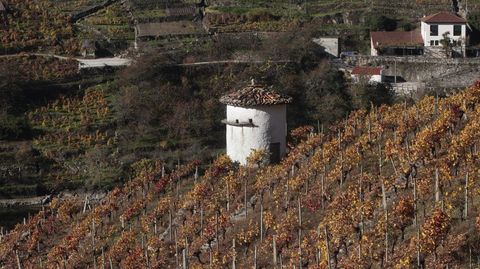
[367,70]
[255,95]
[389,39]
[443,17]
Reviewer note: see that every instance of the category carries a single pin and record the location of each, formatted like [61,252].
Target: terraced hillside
[393,187]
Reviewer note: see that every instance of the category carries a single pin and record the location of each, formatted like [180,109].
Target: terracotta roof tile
[366,70]
[386,39]
[255,95]
[443,17]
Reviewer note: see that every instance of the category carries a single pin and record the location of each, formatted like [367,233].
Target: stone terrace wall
[456,72]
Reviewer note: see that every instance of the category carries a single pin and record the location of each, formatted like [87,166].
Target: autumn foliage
[394,187]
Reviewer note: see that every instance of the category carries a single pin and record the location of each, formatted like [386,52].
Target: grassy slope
[335,178]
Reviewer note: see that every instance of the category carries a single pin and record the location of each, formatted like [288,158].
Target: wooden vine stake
[228,197]
[195,177]
[170,223]
[176,250]
[201,219]
[19,265]
[299,212]
[384,202]
[245,198]
[186,246]
[341,168]
[415,209]
[437,187]
[323,186]
[93,232]
[103,258]
[274,251]
[465,211]
[418,247]
[300,248]
[234,258]
[369,129]
[216,231]
[286,195]
[319,254]
[210,258]
[147,260]
[261,219]
[255,257]
[85,204]
[184,259]
[327,244]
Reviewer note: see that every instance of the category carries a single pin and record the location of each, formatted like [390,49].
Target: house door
[274,152]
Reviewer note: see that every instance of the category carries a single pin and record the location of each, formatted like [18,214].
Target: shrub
[13,127]
[377,22]
[260,15]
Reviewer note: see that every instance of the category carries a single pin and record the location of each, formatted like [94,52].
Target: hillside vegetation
[394,187]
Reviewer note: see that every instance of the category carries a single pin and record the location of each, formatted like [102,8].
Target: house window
[434,30]
[436,42]
[457,30]
[432,43]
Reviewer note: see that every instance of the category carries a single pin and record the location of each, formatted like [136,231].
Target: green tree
[447,45]
[365,94]
[377,22]
[326,95]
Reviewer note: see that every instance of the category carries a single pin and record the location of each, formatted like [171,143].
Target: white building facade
[256,120]
[424,41]
[434,27]
[259,128]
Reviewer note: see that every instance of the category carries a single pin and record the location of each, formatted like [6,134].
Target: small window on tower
[250,121]
[236,121]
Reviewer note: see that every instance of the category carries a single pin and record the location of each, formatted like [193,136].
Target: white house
[256,120]
[367,73]
[396,43]
[433,28]
[424,40]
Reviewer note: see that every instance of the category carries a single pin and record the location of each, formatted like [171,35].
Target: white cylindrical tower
[256,119]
